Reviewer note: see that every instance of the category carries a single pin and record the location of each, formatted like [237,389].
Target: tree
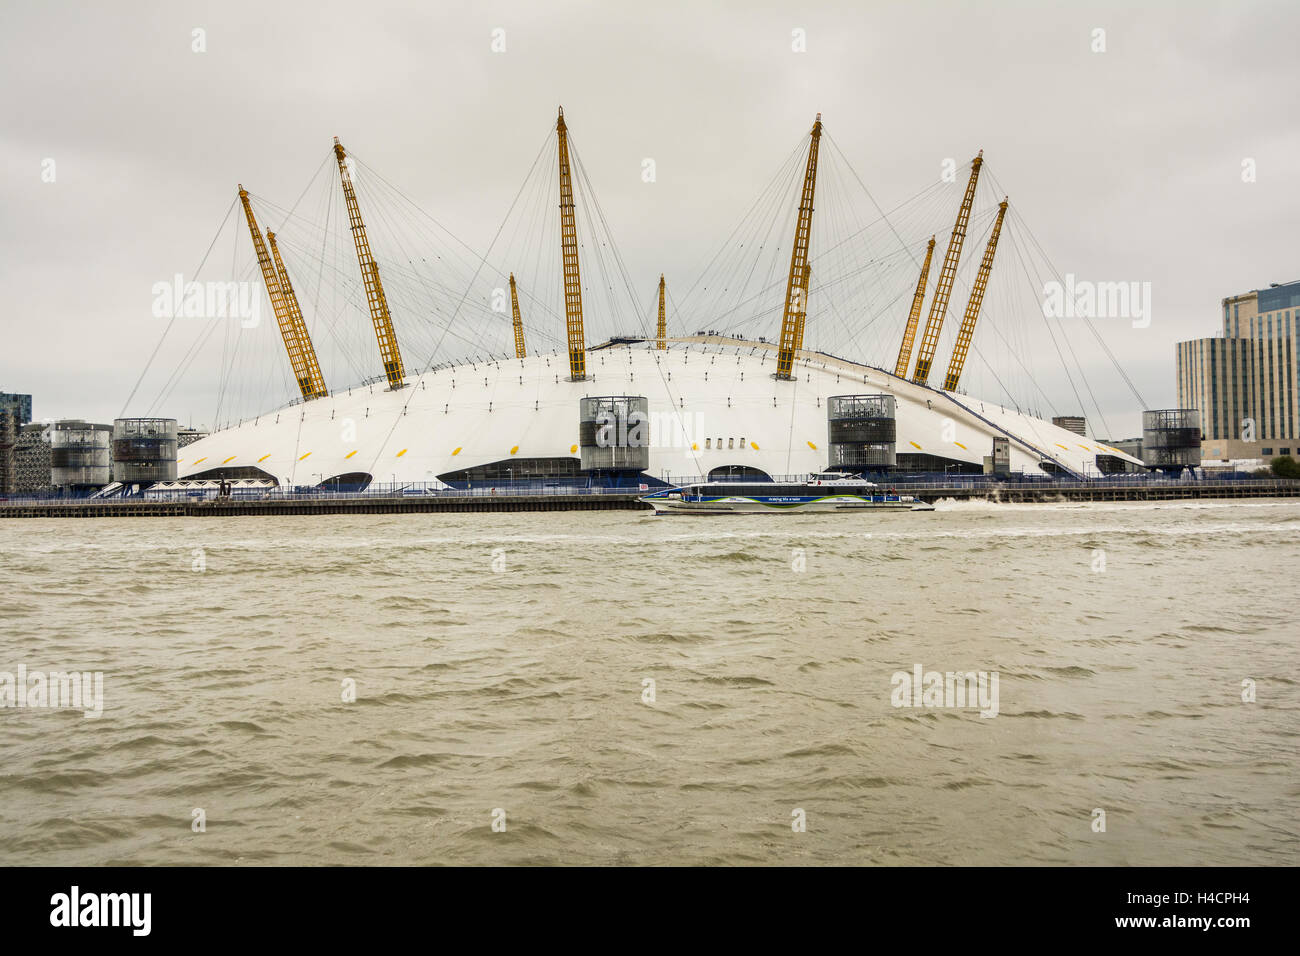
[1284,466]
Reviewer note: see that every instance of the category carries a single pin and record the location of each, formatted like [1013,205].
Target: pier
[617,499]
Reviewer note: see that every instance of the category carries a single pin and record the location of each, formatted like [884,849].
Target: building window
[1266,452]
[731,443]
[1284,451]
[742,441]
[708,443]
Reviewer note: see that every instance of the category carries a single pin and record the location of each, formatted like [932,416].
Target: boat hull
[748,505]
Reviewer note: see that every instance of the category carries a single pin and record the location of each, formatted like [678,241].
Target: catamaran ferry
[826,492]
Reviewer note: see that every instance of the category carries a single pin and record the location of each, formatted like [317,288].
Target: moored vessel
[822,492]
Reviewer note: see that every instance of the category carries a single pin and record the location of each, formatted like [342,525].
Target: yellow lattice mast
[569,247]
[796,290]
[317,381]
[389,353]
[306,370]
[939,304]
[802,315]
[663,317]
[520,351]
[967,331]
[909,333]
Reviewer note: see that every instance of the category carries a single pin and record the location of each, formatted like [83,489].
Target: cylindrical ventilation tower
[863,433]
[144,450]
[1171,438]
[614,433]
[79,454]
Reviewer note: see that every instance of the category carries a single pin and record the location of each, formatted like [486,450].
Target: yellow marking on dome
[230,459]
[961,446]
[754,445]
[304,457]
[349,455]
[1062,447]
[401,453]
[915,445]
[263,458]
[573,449]
[199,460]
[455,453]
[515,450]
[812,446]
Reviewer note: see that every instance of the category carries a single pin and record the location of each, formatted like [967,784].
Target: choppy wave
[615,690]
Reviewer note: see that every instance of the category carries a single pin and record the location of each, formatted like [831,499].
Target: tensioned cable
[179,305]
[1087,321]
[482,262]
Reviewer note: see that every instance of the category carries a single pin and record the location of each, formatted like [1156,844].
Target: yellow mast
[967,331]
[802,315]
[909,333]
[520,351]
[389,353]
[306,370]
[796,287]
[939,304]
[299,323]
[569,247]
[663,317]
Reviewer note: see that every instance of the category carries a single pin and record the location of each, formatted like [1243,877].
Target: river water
[611,687]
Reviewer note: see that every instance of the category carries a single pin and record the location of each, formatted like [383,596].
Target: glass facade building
[1244,380]
[18,406]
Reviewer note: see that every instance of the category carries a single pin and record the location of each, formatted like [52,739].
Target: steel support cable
[186,362]
[836,147]
[482,262]
[727,243]
[1079,365]
[775,284]
[1064,366]
[172,320]
[774,214]
[589,195]
[1047,322]
[736,274]
[595,243]
[585,182]
[1011,398]
[224,371]
[1093,329]
[321,262]
[390,237]
[729,282]
[1017,356]
[1088,322]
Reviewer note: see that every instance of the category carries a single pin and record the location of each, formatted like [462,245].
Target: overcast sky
[1127,163]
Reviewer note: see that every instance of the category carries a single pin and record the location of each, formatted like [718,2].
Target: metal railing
[534,489]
